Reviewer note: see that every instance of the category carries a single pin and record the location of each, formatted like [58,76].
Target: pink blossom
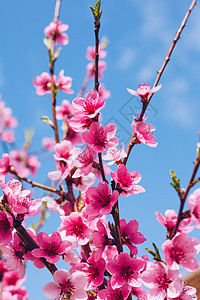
[100,239]
[143,133]
[64,83]
[170,219]
[100,137]
[82,183]
[51,247]
[65,110]
[161,281]
[6,225]
[125,270]
[103,92]
[181,250]
[102,67]
[111,294]
[186,293]
[115,155]
[101,201]
[75,225]
[63,151]
[48,143]
[66,284]
[91,53]
[62,172]
[69,134]
[42,83]
[12,261]
[55,31]
[194,206]
[79,122]
[144,90]
[33,164]
[84,162]
[130,235]
[127,181]
[8,136]
[94,270]
[5,163]
[90,106]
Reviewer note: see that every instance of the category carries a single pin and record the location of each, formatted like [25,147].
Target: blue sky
[139,37]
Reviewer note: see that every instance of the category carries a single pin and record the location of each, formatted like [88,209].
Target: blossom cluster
[101,259]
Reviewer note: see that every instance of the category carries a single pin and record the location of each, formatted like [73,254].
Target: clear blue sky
[140,34]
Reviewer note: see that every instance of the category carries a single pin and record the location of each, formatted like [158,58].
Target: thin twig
[159,74]
[36,184]
[51,67]
[183,199]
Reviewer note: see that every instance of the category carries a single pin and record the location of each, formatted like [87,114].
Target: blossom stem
[36,184]
[115,214]
[96,83]
[183,199]
[52,60]
[84,85]
[25,237]
[160,72]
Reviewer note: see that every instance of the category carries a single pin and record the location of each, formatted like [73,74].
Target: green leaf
[175,181]
[96,11]
[47,42]
[57,53]
[47,120]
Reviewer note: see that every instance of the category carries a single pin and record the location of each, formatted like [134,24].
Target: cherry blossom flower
[115,155]
[82,183]
[5,163]
[65,110]
[75,225]
[66,285]
[6,225]
[62,172]
[94,271]
[79,122]
[111,294]
[194,206]
[170,219]
[125,270]
[103,92]
[12,261]
[48,143]
[187,292]
[42,83]
[90,106]
[100,200]
[144,90]
[100,137]
[84,162]
[100,239]
[7,136]
[127,181]
[130,235]
[64,83]
[91,53]
[51,247]
[161,281]
[181,250]
[143,133]
[63,151]
[55,31]
[101,67]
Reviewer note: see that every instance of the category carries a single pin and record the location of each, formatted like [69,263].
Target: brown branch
[36,184]
[25,237]
[160,72]
[52,60]
[115,214]
[183,199]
